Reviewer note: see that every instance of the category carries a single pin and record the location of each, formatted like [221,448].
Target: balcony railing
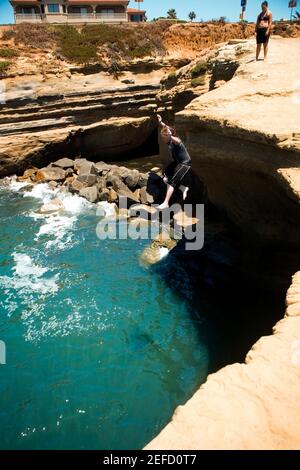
[71,17]
[30,17]
[80,16]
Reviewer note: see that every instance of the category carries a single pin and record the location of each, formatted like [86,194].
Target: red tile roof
[87,2]
[105,2]
[32,2]
[135,10]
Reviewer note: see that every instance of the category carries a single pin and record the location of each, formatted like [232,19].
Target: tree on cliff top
[171,14]
[192,15]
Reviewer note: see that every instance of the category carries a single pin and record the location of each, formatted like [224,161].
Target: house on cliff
[75,11]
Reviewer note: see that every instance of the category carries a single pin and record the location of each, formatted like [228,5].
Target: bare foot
[164,205]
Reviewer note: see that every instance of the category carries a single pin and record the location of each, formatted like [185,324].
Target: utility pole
[139,8]
[243,5]
[292,5]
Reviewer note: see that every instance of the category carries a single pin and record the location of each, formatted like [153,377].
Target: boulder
[28,174]
[146,198]
[137,193]
[125,192]
[153,254]
[53,206]
[102,168]
[132,179]
[183,220]
[143,179]
[69,172]
[50,173]
[87,179]
[90,193]
[103,196]
[101,183]
[112,195]
[84,167]
[76,185]
[141,210]
[123,171]
[67,181]
[64,163]
[114,180]
[53,184]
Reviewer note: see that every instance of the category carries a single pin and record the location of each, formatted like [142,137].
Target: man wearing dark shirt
[177,170]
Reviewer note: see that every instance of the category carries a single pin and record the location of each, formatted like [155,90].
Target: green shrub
[4,66]
[8,53]
[199,81]
[199,69]
[139,51]
[74,46]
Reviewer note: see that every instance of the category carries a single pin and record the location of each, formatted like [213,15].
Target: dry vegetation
[91,42]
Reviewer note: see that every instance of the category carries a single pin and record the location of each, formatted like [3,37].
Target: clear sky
[205,9]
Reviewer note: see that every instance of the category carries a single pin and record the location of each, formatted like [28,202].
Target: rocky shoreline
[117,192]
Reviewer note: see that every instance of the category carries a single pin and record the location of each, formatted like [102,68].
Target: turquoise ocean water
[100,348]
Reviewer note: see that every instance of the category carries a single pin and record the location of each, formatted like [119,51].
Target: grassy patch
[8,53]
[199,81]
[199,69]
[139,51]
[86,45]
[4,66]
[74,46]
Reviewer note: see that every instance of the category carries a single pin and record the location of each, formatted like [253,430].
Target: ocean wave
[58,232]
[29,277]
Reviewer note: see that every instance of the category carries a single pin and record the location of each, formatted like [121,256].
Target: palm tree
[172,15]
[296,16]
[192,15]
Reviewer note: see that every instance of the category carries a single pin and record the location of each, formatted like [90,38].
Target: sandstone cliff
[244,138]
[245,141]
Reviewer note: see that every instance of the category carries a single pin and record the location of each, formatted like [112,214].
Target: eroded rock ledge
[245,142]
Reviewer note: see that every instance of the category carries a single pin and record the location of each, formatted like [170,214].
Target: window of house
[64,8]
[107,11]
[80,10]
[53,8]
[27,11]
[83,11]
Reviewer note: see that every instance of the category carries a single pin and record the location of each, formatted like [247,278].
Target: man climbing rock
[177,170]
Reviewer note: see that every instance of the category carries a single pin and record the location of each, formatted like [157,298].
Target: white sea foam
[74,203]
[163,252]
[106,209]
[42,191]
[28,277]
[71,202]
[57,230]
[13,184]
